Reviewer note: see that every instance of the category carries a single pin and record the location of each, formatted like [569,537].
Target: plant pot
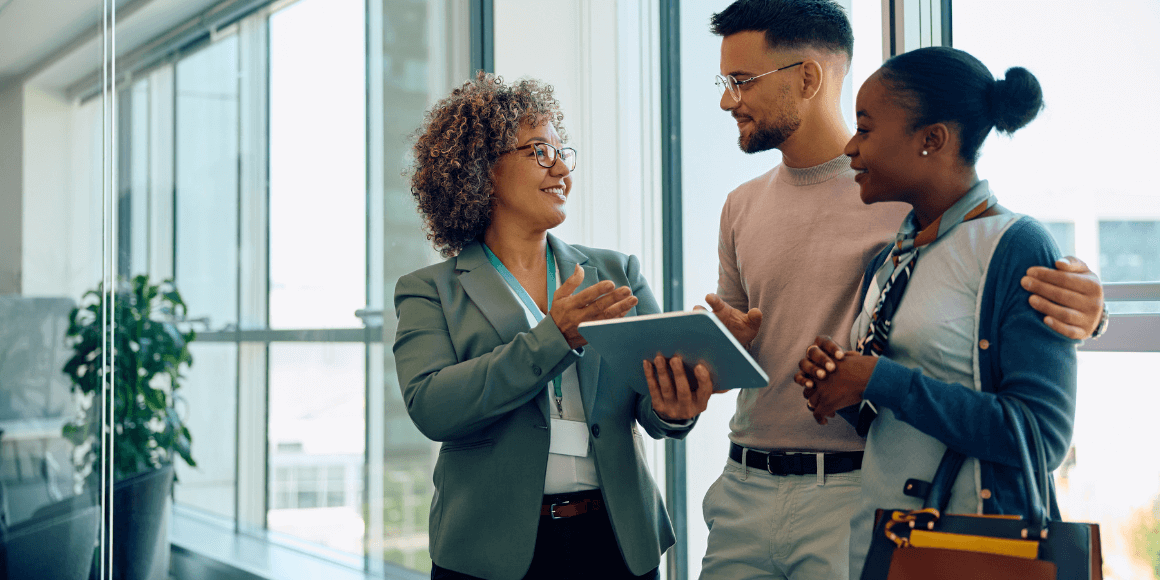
[141,506]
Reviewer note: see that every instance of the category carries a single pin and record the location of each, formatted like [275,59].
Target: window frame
[251,335]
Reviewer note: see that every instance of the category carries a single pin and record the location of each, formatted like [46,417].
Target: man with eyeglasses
[793,245]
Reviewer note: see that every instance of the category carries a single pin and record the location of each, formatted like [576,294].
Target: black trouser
[580,547]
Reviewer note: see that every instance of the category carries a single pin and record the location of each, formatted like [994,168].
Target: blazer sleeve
[450,399]
[1035,364]
[647,304]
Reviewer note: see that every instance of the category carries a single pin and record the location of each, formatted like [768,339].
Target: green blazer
[473,376]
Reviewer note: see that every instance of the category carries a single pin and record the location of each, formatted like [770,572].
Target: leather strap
[796,463]
[568,510]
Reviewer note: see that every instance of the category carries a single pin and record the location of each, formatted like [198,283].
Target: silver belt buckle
[552,510]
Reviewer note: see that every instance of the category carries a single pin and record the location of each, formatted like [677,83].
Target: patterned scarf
[894,274]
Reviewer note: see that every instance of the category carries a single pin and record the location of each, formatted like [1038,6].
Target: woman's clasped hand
[832,378]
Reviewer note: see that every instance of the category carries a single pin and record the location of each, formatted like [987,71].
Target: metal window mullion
[251,497]
[673,261]
[373,486]
[945,23]
[161,185]
[482,36]
[1132,291]
[1128,333]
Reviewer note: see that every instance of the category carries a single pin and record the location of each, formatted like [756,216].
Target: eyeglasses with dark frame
[546,155]
[728,82]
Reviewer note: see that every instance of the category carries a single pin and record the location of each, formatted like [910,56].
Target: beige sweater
[794,243]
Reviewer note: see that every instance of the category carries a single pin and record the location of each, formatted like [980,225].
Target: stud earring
[925,152]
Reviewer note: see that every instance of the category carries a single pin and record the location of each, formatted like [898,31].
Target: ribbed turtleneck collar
[816,174]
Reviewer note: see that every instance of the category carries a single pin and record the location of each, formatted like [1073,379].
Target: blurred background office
[252,151]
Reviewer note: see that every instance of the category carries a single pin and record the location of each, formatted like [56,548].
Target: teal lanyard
[531,304]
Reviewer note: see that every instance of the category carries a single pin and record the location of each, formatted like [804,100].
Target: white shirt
[566,473]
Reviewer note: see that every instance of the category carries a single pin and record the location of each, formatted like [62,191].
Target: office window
[317,253]
[317,429]
[1115,226]
[207,182]
[206,262]
[318,211]
[1064,235]
[1130,250]
[261,150]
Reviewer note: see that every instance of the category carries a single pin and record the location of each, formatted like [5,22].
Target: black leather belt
[797,463]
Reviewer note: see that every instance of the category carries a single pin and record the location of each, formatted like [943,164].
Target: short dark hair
[945,85]
[789,23]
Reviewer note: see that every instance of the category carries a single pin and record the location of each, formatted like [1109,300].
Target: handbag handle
[1038,490]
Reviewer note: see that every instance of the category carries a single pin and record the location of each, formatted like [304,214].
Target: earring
[925,152]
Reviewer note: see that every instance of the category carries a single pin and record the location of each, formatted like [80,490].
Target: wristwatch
[1102,327]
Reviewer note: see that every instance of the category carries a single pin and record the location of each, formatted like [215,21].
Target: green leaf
[146,343]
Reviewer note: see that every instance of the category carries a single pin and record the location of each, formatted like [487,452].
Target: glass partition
[235,174]
[59,184]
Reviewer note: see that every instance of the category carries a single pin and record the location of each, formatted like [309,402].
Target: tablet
[696,335]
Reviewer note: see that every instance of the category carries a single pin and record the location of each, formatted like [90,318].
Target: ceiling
[60,40]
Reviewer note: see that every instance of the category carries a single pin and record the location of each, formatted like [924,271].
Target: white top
[566,473]
[935,329]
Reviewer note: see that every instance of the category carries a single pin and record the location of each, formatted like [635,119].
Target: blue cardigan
[1019,356]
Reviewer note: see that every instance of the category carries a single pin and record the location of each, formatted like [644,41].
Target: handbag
[929,544]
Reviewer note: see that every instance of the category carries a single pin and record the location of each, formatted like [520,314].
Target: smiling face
[526,193]
[767,114]
[885,152]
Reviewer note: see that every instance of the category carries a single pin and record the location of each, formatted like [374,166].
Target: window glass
[1064,235]
[208,403]
[1130,250]
[1110,477]
[317,164]
[1037,170]
[207,182]
[56,156]
[1072,165]
[418,54]
[317,436]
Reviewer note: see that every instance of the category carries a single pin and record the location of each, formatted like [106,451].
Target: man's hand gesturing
[743,325]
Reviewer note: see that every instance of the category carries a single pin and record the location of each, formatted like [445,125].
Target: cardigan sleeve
[1022,358]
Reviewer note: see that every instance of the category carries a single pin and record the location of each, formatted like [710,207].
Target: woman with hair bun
[945,328]
[542,472]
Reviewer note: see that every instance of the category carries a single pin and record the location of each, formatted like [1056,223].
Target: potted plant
[149,352]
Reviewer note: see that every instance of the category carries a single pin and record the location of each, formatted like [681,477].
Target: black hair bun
[1015,100]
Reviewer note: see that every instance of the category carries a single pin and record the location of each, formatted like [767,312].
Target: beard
[769,135]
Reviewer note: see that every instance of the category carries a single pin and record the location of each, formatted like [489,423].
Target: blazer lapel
[588,367]
[490,293]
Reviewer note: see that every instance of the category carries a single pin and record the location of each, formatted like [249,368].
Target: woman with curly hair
[542,472]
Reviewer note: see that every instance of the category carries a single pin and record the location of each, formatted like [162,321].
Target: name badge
[569,438]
